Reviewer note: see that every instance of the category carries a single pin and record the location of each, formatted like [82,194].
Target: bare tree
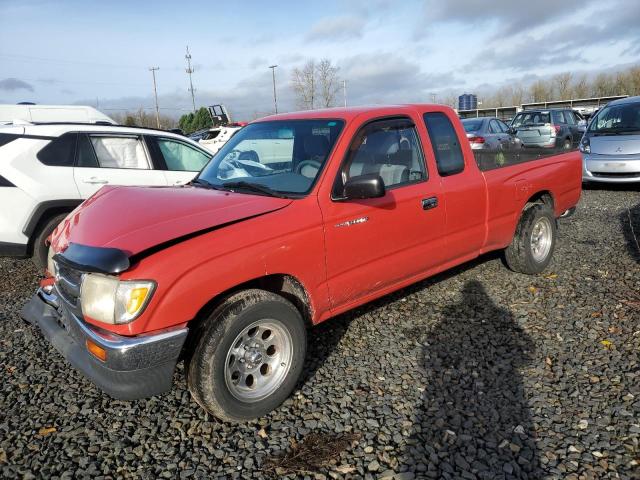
[540,91]
[315,84]
[517,95]
[304,85]
[328,82]
[563,84]
[580,87]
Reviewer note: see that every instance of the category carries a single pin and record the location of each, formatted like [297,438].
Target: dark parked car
[552,128]
[490,132]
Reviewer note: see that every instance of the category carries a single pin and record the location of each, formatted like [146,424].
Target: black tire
[567,144]
[519,255]
[40,249]
[206,367]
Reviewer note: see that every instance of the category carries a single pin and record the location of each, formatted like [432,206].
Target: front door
[181,160]
[375,243]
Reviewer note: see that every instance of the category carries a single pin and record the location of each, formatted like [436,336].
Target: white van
[52,113]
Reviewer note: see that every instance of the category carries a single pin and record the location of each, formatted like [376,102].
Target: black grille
[68,282]
[617,174]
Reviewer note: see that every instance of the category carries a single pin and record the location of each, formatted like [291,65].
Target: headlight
[585,145]
[51,265]
[109,300]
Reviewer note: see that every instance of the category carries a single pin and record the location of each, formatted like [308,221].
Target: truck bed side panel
[510,188]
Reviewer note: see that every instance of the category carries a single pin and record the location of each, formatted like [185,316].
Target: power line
[190,71]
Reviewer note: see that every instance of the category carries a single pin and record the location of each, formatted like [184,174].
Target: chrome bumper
[135,367]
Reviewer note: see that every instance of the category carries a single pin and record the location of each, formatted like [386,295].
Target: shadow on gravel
[324,338]
[630,223]
[474,421]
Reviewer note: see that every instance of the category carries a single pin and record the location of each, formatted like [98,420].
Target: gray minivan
[611,145]
[552,128]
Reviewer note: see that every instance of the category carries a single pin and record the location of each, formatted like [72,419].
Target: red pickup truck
[299,217]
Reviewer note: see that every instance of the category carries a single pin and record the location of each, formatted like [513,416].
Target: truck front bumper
[135,367]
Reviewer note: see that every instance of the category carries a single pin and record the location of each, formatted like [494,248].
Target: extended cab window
[120,152]
[389,148]
[59,152]
[444,141]
[180,157]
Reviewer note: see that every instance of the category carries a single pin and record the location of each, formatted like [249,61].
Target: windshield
[619,118]
[285,156]
[471,125]
[531,119]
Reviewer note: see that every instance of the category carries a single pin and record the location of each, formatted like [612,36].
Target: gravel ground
[477,373]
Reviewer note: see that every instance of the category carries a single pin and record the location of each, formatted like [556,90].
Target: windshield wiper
[201,182]
[254,187]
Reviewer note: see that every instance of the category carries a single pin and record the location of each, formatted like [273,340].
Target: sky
[99,53]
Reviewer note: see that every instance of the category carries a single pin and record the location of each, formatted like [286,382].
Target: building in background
[467,101]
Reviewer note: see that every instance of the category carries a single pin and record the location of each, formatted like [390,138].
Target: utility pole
[433,98]
[344,91]
[190,70]
[275,98]
[155,93]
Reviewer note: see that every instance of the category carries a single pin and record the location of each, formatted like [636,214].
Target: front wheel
[249,356]
[533,244]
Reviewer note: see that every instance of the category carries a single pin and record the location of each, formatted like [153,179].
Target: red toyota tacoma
[299,217]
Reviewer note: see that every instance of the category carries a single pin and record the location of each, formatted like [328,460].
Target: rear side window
[59,152]
[558,118]
[120,152]
[445,143]
[86,157]
[494,127]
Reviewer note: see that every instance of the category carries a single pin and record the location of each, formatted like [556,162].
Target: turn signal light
[97,351]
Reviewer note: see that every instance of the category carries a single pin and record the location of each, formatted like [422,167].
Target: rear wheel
[567,144]
[533,244]
[40,248]
[249,356]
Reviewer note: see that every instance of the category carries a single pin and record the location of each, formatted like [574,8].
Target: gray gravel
[480,373]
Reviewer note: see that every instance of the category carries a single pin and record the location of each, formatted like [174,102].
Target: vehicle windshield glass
[471,125]
[531,119]
[285,156]
[623,117]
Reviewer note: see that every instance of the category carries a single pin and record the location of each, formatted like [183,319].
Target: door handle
[96,181]
[429,203]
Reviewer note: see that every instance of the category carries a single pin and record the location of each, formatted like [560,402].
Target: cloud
[336,28]
[13,84]
[385,77]
[509,15]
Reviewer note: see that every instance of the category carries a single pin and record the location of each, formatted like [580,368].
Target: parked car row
[610,142]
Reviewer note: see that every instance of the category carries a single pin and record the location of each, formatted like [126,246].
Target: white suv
[46,170]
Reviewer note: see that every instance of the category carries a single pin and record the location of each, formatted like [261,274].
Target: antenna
[190,70]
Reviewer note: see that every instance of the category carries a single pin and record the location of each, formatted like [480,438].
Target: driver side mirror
[370,185]
[512,131]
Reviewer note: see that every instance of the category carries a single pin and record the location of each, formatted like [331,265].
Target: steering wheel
[308,163]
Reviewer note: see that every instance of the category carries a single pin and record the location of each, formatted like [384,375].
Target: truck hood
[134,219]
[615,144]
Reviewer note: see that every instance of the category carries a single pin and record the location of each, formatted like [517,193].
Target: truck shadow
[630,224]
[324,338]
[474,416]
